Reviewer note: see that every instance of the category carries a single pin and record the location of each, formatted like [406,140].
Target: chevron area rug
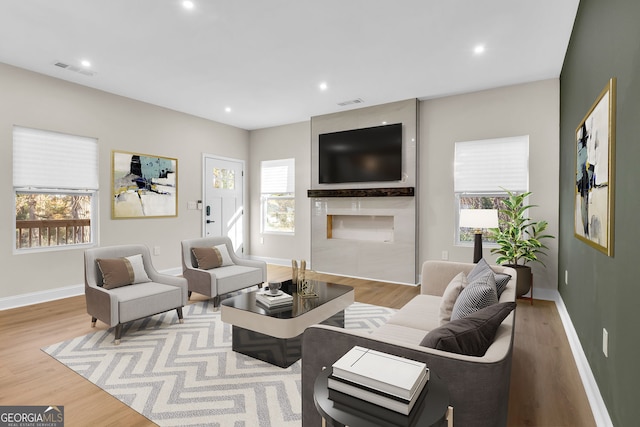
[187,375]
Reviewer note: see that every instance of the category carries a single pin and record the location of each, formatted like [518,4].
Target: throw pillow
[207,258]
[116,272]
[226,258]
[480,293]
[501,279]
[139,273]
[450,295]
[471,335]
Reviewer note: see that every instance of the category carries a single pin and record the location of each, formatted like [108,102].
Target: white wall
[33,100]
[528,109]
[281,142]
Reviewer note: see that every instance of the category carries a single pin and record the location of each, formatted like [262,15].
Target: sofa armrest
[479,390]
[102,305]
[201,281]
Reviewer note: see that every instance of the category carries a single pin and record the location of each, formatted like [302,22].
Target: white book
[351,390]
[390,374]
[271,300]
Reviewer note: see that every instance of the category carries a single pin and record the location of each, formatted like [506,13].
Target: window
[55,183]
[483,170]
[277,187]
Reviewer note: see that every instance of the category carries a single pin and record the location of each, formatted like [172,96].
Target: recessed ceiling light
[85,63]
[227,109]
[323,86]
[478,49]
[187,4]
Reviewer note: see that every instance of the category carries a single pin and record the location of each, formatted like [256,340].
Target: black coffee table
[275,335]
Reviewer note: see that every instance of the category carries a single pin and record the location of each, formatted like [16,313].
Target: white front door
[223,196]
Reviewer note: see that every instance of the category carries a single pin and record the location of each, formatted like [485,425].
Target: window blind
[277,176]
[492,165]
[51,160]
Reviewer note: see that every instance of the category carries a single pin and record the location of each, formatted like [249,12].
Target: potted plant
[519,239]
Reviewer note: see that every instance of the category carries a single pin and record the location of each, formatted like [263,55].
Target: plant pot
[524,278]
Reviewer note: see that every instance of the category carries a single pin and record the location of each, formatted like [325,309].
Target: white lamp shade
[479,218]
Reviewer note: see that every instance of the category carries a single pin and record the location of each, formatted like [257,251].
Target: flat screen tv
[361,155]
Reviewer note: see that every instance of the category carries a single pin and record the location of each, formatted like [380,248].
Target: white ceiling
[265,59]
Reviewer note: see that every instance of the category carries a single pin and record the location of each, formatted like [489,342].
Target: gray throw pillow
[500,279]
[479,293]
[471,335]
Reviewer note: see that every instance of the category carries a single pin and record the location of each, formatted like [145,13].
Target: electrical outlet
[156,250]
[566,277]
[605,342]
[445,255]
[262,240]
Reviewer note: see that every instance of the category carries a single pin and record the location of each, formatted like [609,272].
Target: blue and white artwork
[144,185]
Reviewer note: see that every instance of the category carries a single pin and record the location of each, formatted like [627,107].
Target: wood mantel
[364,192]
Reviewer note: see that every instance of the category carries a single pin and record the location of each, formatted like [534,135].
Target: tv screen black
[361,155]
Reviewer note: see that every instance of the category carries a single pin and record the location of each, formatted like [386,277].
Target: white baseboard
[30,298]
[287,263]
[598,407]
[41,296]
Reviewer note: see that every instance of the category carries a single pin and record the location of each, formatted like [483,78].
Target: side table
[432,408]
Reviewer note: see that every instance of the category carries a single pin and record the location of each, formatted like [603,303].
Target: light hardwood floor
[545,387]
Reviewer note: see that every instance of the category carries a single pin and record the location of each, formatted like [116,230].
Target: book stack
[270,300]
[382,379]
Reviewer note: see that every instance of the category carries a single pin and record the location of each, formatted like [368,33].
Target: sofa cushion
[471,335]
[421,313]
[137,301]
[450,296]
[500,279]
[123,271]
[480,293]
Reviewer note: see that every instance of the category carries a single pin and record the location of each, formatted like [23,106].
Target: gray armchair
[218,281]
[115,306]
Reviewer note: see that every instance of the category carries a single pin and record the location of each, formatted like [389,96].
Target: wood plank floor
[545,387]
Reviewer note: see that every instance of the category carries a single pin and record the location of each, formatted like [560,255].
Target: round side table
[430,409]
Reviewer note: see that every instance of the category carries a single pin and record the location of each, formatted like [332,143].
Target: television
[371,154]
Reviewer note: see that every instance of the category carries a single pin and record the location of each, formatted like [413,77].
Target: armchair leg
[118,334]
[216,303]
[180,319]
[189,294]
[93,322]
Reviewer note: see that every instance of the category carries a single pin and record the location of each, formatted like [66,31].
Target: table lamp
[478,219]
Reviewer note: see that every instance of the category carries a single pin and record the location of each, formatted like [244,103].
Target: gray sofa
[478,386]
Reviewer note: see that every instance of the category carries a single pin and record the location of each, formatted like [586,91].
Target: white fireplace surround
[368,237]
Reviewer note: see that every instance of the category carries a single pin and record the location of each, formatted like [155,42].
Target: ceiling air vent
[351,102]
[75,69]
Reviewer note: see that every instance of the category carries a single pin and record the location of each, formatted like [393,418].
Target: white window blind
[277,176]
[492,165]
[43,159]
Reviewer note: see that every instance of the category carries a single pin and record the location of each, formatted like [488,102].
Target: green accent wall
[602,291]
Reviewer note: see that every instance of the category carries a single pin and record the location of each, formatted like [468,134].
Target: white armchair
[115,302]
[240,273]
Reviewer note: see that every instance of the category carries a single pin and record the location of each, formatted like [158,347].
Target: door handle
[209,221]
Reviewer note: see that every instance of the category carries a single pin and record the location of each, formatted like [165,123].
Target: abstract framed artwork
[594,178]
[143,186]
